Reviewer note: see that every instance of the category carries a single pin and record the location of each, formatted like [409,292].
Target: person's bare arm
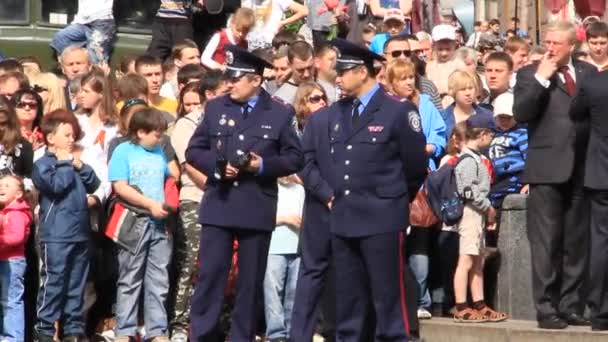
[195,175]
[129,194]
[299,11]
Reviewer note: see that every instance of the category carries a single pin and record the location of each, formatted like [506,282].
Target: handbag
[421,214]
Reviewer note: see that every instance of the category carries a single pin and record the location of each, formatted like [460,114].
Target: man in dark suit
[591,104]
[364,159]
[240,201]
[557,211]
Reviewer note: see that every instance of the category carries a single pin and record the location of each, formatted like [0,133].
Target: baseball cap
[394,14]
[443,32]
[481,120]
[503,104]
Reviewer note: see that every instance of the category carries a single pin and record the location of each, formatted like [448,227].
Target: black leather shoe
[552,322]
[577,320]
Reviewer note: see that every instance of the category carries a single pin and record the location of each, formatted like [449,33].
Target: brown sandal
[469,315]
[492,315]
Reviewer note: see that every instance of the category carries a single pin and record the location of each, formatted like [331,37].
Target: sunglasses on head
[28,105]
[316,98]
[399,53]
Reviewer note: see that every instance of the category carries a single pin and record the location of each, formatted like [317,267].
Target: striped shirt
[179,9]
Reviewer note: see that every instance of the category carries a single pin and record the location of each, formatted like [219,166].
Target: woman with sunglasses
[402,82]
[310,97]
[16,154]
[28,106]
[49,87]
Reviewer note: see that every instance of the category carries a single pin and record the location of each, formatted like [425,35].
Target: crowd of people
[258,186]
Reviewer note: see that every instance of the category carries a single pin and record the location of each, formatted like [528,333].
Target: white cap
[394,14]
[503,104]
[443,32]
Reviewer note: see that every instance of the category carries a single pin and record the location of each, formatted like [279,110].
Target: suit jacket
[556,144]
[371,168]
[249,201]
[591,104]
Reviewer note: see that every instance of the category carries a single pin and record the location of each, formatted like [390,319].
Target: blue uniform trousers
[65,267]
[370,270]
[215,259]
[314,267]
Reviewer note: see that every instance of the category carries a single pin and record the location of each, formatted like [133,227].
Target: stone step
[446,330]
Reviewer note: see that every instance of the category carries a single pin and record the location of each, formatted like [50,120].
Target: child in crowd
[508,151]
[283,261]
[15,220]
[214,55]
[138,171]
[473,183]
[394,22]
[64,182]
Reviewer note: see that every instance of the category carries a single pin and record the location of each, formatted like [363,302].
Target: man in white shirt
[93,27]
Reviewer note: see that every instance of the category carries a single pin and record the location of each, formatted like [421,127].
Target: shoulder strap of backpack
[465,156]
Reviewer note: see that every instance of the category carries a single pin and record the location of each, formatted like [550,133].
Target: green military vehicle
[27,26]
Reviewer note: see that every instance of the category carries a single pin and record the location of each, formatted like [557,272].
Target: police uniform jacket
[371,167]
[249,201]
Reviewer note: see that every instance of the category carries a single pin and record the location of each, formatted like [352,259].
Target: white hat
[443,32]
[503,104]
[394,14]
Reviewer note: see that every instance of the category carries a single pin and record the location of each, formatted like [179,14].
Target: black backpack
[442,193]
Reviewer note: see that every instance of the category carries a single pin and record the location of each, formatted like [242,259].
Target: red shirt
[220,51]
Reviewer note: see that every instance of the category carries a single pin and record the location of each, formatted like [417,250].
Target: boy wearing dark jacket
[64,182]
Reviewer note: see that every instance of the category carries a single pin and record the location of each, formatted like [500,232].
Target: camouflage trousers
[187,243]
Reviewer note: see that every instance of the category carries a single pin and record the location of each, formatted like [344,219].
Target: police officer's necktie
[246,110]
[355,117]
[569,81]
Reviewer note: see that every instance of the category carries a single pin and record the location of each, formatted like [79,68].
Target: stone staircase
[445,330]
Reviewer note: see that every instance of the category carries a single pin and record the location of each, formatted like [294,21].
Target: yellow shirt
[165,105]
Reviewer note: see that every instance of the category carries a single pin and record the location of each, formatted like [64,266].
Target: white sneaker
[424,314]
[179,336]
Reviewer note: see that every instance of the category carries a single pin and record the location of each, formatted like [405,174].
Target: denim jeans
[147,272]
[97,36]
[418,248]
[12,273]
[279,293]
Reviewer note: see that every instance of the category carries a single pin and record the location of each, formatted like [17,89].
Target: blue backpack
[442,193]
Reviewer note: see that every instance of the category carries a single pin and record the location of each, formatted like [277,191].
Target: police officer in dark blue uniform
[364,161]
[245,142]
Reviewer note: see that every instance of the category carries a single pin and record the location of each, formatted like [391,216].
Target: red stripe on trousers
[406,322]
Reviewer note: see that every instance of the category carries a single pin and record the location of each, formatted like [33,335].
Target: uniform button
[265,136]
[241,137]
[219,133]
[239,152]
[373,139]
[346,177]
[349,147]
[347,162]
[235,184]
[346,192]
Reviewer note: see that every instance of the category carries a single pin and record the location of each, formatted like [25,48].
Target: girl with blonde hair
[49,87]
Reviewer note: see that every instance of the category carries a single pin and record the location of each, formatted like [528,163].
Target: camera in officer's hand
[220,168]
[242,161]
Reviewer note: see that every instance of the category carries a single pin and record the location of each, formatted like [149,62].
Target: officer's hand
[547,67]
[525,190]
[254,164]
[231,171]
[294,220]
[491,215]
[157,211]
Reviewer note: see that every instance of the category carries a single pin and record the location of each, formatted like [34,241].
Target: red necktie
[570,85]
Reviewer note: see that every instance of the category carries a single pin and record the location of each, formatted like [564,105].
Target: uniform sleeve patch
[413,119]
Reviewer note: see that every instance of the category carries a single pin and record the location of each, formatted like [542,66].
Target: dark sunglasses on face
[28,105]
[417,52]
[316,99]
[39,89]
[399,53]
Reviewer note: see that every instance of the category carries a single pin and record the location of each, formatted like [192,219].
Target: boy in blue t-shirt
[394,23]
[138,170]
[508,151]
